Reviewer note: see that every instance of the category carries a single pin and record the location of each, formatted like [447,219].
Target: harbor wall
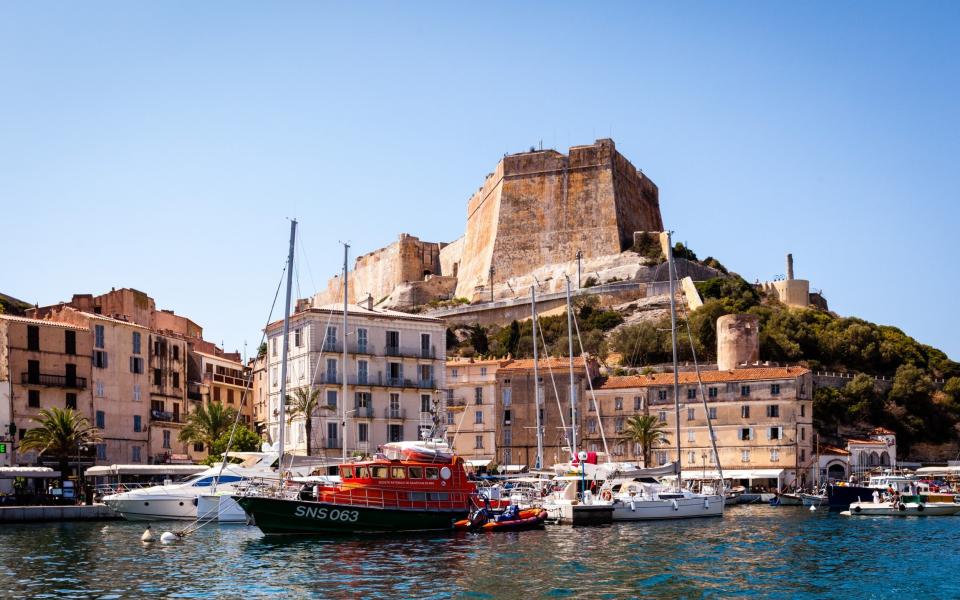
[51,514]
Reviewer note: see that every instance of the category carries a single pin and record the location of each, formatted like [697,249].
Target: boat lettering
[315,512]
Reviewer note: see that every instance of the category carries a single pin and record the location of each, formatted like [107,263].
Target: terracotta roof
[882,431]
[866,442]
[690,377]
[29,321]
[463,362]
[526,364]
[833,450]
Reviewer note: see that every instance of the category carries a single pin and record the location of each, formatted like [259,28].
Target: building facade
[167,372]
[394,374]
[471,407]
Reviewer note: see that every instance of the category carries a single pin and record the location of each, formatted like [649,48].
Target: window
[692,457]
[591,425]
[712,392]
[273,376]
[745,412]
[157,377]
[136,364]
[425,349]
[229,396]
[507,416]
[478,395]
[393,342]
[362,370]
[663,416]
[273,347]
[361,340]
[451,418]
[100,359]
[33,338]
[691,414]
[33,398]
[712,412]
[453,373]
[395,433]
[774,389]
[426,374]
[773,410]
[70,342]
[101,452]
[803,410]
[425,403]
[135,454]
[136,342]
[198,447]
[661,395]
[362,432]
[98,336]
[637,403]
[691,435]
[507,396]
[507,436]
[216,393]
[803,434]
[803,455]
[691,393]
[775,433]
[176,352]
[745,456]
[363,399]
[333,431]
[330,339]
[101,419]
[618,424]
[332,399]
[71,401]
[483,371]
[298,337]
[176,380]
[774,455]
[137,424]
[745,433]
[618,403]
[98,388]
[744,390]
[478,442]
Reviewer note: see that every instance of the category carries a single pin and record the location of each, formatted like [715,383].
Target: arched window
[884,459]
[874,459]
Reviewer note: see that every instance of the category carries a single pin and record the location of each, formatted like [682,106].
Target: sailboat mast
[673,339]
[573,389]
[343,400]
[536,376]
[283,344]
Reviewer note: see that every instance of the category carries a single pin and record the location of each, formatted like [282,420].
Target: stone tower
[738,340]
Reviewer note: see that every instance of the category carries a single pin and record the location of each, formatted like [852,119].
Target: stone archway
[874,459]
[884,459]
[837,471]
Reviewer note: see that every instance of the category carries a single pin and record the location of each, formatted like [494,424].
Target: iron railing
[54,380]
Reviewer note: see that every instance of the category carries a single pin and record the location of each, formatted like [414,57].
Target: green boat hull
[280,516]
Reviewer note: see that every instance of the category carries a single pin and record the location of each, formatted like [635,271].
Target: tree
[649,432]
[244,440]
[61,434]
[304,403]
[207,423]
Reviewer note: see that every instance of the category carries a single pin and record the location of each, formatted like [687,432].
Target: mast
[283,347]
[573,390]
[343,400]
[673,339]
[536,377]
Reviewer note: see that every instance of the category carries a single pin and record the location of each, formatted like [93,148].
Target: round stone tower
[738,340]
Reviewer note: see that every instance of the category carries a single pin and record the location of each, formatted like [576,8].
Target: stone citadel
[536,209]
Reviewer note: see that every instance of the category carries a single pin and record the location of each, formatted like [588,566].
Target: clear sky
[162,146]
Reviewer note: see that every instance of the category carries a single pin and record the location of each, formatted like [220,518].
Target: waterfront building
[762,419]
[42,365]
[516,433]
[471,407]
[167,371]
[258,393]
[395,375]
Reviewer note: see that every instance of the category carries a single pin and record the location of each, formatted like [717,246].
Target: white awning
[113,470]
[734,474]
[30,472]
[943,471]
[512,468]
[478,462]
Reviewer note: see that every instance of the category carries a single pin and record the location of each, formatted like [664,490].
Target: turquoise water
[755,551]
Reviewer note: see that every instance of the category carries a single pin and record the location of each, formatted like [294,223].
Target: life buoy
[857,509]
[920,508]
[606,495]
[901,507]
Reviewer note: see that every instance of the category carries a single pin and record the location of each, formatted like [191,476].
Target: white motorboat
[641,499]
[902,509]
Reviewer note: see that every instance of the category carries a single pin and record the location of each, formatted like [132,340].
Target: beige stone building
[762,418]
[42,365]
[169,407]
[471,407]
[258,393]
[223,379]
[395,376]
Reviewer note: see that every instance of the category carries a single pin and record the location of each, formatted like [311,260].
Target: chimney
[789,267]
[369,301]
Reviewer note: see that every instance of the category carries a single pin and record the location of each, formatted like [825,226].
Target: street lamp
[579,258]
[492,271]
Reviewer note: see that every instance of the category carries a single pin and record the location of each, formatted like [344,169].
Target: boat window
[417,496]
[346,472]
[432,472]
[208,481]
[398,473]
[416,472]
[379,472]
[363,473]
[438,496]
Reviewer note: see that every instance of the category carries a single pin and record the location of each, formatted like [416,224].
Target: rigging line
[316,367]
[460,424]
[593,395]
[306,261]
[553,381]
[703,396]
[248,384]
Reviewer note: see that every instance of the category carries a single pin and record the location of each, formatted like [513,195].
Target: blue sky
[162,146]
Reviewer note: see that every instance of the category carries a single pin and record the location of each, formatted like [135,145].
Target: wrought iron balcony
[166,417]
[363,412]
[54,380]
[395,413]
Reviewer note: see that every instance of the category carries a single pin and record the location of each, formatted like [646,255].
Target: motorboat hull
[283,516]
[813,499]
[908,509]
[221,508]
[840,497]
[679,508]
[787,500]
[145,508]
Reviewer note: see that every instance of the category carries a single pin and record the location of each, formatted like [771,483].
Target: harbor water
[754,551]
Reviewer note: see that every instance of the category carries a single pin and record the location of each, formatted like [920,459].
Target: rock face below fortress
[537,208]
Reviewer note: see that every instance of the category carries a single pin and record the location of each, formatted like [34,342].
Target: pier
[45,514]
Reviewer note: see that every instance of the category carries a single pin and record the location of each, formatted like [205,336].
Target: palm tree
[304,403]
[648,431]
[207,423]
[61,434]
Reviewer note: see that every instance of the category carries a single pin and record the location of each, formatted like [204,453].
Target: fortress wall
[450,257]
[482,221]
[637,201]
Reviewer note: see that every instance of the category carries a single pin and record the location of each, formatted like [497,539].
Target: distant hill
[12,306]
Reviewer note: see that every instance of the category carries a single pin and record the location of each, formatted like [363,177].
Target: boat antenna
[673,340]
[284,344]
[536,377]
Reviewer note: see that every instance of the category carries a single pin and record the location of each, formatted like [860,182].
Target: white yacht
[645,498]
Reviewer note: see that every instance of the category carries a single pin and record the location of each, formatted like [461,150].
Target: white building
[394,370]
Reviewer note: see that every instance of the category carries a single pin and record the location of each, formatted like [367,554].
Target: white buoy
[813,508]
[168,537]
[147,535]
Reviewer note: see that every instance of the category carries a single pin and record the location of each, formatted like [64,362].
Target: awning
[113,470]
[734,474]
[938,471]
[512,468]
[477,463]
[29,472]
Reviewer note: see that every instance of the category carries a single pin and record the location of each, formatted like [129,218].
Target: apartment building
[258,393]
[394,373]
[762,419]
[42,365]
[167,372]
[471,387]
[516,432]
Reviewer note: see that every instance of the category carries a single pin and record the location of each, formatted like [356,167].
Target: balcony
[332,444]
[166,417]
[395,413]
[54,380]
[225,379]
[456,403]
[363,412]
[331,378]
[411,351]
[193,391]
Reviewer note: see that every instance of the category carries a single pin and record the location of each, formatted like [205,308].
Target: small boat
[902,509]
[813,499]
[787,499]
[511,519]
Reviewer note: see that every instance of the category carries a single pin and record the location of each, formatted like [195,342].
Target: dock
[52,514]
